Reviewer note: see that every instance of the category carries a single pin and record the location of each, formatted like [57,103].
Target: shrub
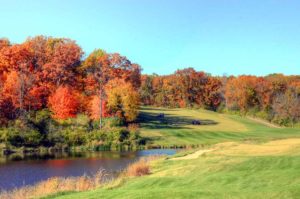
[39,129]
[282,121]
[32,138]
[41,116]
[134,134]
[253,111]
[74,137]
[117,136]
[99,135]
[108,122]
[221,108]
[263,115]
[113,122]
[4,135]
[80,121]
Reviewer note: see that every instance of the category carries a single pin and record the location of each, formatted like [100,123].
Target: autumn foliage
[45,72]
[274,97]
[63,103]
[94,108]
[122,99]
[184,88]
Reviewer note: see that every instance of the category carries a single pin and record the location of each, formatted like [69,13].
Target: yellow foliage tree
[122,99]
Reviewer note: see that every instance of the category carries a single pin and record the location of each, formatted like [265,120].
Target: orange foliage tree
[101,67]
[241,92]
[184,88]
[94,108]
[63,103]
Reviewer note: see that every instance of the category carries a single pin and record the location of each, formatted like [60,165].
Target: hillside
[176,128]
[239,159]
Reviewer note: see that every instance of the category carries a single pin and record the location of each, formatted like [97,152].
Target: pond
[16,171]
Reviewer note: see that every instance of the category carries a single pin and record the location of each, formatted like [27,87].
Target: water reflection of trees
[66,155]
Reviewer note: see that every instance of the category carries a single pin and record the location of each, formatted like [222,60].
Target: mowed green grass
[213,176]
[176,129]
[244,169]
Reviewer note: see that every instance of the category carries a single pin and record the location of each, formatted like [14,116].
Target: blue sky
[217,36]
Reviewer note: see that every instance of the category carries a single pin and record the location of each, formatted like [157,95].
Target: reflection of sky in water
[156,152]
[19,171]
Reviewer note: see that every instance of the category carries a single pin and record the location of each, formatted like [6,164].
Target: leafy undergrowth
[216,174]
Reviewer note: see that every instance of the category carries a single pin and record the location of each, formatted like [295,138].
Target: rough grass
[276,147]
[56,185]
[139,168]
[63,186]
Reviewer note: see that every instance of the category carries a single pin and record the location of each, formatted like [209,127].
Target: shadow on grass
[150,120]
[160,109]
[58,194]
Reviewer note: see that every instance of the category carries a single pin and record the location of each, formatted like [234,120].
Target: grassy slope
[256,170]
[176,128]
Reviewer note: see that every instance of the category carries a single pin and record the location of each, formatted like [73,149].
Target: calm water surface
[16,171]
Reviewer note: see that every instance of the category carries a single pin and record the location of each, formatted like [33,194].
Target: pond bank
[18,170]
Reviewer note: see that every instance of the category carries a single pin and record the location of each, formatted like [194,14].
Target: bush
[41,116]
[32,138]
[17,138]
[263,115]
[221,108]
[39,129]
[14,137]
[114,137]
[282,121]
[253,111]
[4,135]
[79,121]
[74,137]
[117,136]
[108,122]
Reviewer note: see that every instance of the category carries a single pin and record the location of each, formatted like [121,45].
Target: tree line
[275,97]
[50,92]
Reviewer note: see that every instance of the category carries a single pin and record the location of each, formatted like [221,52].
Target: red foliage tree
[212,93]
[16,87]
[16,57]
[63,103]
[38,96]
[7,110]
[61,70]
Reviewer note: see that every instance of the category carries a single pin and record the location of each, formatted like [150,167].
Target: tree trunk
[101,109]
